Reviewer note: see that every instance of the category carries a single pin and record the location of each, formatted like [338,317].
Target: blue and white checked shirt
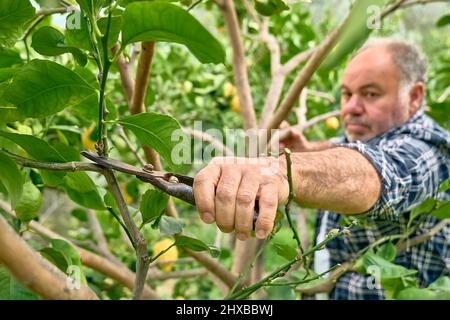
[412,161]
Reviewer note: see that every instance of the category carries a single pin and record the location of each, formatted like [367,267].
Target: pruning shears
[174,184]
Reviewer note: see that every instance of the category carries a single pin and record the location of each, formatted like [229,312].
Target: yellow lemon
[332,123]
[235,104]
[88,144]
[169,255]
[228,90]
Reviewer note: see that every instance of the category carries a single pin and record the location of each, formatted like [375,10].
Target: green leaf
[170,225]
[392,277]
[442,284]
[286,251]
[43,87]
[50,42]
[445,186]
[191,243]
[443,211]
[9,58]
[421,294]
[155,130]
[14,14]
[354,33]
[77,35]
[11,178]
[214,251]
[152,205]
[55,257]
[70,255]
[270,7]
[114,30]
[35,147]
[443,21]
[10,289]
[82,190]
[387,251]
[424,207]
[40,150]
[162,21]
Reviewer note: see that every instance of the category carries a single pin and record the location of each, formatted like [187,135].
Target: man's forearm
[338,179]
[314,146]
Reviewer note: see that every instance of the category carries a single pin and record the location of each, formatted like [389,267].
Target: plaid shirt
[411,161]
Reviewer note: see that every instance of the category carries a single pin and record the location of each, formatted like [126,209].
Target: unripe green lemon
[29,203]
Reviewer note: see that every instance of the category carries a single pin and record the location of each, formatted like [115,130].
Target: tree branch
[142,76]
[139,242]
[239,66]
[125,75]
[213,266]
[158,275]
[210,139]
[60,166]
[32,271]
[99,237]
[303,77]
[401,246]
[114,269]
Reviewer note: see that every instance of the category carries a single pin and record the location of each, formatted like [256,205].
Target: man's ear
[416,97]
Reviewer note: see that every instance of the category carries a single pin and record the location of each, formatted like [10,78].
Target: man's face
[371,102]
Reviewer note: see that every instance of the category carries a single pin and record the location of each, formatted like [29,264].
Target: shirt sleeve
[409,171]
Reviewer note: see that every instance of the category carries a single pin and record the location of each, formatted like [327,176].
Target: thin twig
[130,146]
[55,166]
[287,207]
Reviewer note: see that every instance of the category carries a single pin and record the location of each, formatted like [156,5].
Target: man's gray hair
[408,58]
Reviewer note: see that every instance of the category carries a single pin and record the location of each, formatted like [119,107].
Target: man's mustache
[350,119]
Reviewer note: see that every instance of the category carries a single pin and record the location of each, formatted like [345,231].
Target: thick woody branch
[125,75]
[113,269]
[239,65]
[143,72]
[35,273]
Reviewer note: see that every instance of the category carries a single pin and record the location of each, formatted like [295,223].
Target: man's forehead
[373,65]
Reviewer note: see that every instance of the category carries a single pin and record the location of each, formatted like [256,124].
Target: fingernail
[261,234]
[241,236]
[208,217]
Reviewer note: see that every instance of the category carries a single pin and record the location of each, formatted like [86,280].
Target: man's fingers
[245,204]
[225,201]
[205,183]
[268,203]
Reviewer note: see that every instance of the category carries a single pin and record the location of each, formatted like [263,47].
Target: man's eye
[371,95]
[346,95]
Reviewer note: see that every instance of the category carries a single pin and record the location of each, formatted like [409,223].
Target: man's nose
[354,105]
